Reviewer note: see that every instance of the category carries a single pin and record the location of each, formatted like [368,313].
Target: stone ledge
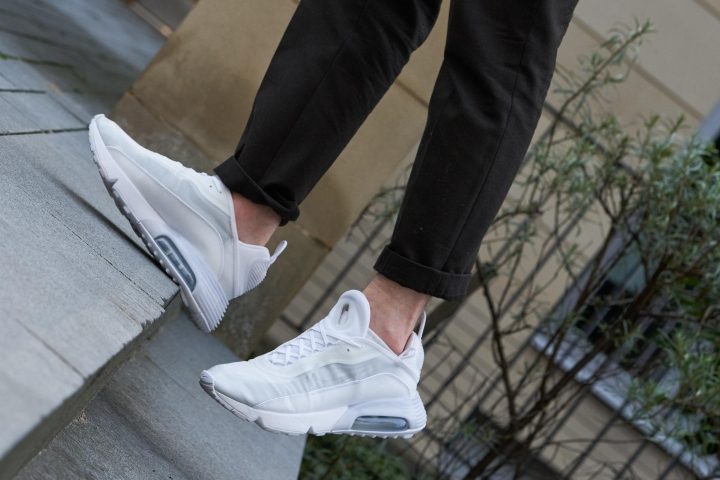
[153,420]
[77,289]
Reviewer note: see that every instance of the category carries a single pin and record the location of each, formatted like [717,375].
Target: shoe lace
[312,340]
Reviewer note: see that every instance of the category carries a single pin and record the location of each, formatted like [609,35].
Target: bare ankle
[255,223]
[394,309]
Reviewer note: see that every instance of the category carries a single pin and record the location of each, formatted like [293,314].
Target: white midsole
[335,420]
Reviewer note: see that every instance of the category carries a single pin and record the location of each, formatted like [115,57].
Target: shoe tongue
[351,314]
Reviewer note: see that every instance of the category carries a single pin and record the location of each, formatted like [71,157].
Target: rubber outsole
[255,416]
[204,322]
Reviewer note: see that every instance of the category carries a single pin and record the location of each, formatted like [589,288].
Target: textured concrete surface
[85,46]
[153,420]
[77,291]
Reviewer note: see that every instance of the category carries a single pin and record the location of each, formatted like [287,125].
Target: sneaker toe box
[235,380]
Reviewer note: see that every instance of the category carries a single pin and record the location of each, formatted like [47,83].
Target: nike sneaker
[336,377]
[185,218]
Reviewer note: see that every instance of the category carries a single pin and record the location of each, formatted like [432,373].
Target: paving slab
[11,119]
[30,48]
[39,112]
[76,45]
[83,106]
[83,71]
[153,420]
[98,28]
[5,83]
[33,76]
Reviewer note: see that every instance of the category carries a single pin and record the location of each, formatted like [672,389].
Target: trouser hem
[235,178]
[421,278]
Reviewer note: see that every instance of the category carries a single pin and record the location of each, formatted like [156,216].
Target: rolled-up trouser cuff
[421,278]
[237,180]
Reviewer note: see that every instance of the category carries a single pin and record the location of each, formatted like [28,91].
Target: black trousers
[334,63]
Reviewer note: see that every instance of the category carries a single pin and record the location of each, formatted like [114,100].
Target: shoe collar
[351,317]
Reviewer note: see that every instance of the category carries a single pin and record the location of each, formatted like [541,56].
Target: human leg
[486,104]
[333,64]
[499,59]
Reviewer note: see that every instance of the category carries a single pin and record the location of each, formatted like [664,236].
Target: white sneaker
[336,377]
[185,218]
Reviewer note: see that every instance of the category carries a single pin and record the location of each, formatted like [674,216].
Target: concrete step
[78,292]
[153,420]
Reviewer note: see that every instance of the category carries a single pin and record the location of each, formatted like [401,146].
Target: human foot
[186,220]
[336,377]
